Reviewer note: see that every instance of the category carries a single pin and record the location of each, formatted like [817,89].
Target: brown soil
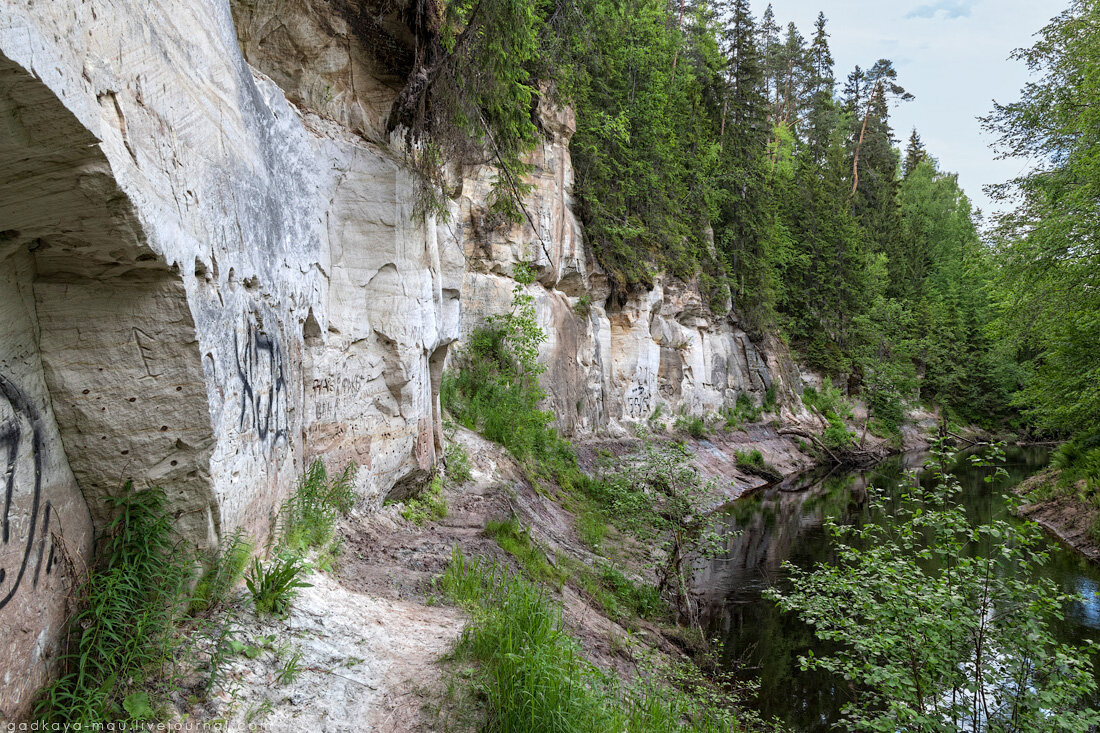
[372,633]
[1064,515]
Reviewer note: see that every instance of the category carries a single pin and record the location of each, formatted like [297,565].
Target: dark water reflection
[785,522]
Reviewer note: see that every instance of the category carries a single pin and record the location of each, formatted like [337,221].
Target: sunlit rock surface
[211,272]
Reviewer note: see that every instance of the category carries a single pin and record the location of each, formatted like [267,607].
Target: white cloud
[950,9]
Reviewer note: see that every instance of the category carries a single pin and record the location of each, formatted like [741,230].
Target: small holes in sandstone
[179,389]
[164,428]
[85,392]
[126,452]
[175,463]
[133,399]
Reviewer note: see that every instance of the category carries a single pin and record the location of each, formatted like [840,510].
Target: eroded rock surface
[211,272]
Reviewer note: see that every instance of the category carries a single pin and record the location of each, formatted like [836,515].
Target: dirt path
[369,635]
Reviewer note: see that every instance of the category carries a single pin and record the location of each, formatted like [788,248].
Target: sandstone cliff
[211,272]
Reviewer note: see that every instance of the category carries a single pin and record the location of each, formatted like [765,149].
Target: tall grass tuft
[125,630]
[308,519]
[532,675]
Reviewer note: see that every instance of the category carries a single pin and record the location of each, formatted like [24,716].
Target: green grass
[127,633]
[516,541]
[428,505]
[532,676]
[619,597]
[591,527]
[753,462]
[307,520]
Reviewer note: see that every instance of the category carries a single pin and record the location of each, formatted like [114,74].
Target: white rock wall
[204,285]
[200,288]
[608,366]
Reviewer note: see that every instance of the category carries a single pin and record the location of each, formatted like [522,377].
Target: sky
[952,55]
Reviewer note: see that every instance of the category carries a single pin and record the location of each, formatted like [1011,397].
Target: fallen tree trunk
[846,456]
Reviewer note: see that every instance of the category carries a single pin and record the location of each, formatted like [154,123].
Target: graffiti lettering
[263,386]
[20,422]
[639,402]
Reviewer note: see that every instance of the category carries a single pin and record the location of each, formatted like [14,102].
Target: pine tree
[915,153]
[742,220]
[823,116]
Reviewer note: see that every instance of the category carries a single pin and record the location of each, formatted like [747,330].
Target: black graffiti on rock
[263,385]
[18,543]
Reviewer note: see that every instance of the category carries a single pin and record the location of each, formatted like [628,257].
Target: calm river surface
[785,523]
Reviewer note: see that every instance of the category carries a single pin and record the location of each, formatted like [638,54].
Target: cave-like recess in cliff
[100,375]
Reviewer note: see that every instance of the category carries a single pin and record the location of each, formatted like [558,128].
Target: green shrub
[125,630]
[932,572]
[770,399]
[457,461]
[275,586]
[835,408]
[693,425]
[744,411]
[428,505]
[837,436]
[753,462]
[828,400]
[494,390]
[583,306]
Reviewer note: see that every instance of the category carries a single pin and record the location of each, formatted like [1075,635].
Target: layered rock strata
[211,272]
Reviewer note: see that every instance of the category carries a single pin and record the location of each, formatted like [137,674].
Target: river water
[785,522]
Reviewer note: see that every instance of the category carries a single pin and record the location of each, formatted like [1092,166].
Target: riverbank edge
[381,594]
[1063,515]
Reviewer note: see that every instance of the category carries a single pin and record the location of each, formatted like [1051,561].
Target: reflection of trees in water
[784,523]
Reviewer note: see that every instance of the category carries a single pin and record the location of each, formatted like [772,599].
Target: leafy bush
[125,630]
[653,495]
[583,306]
[274,587]
[494,390]
[457,461]
[828,400]
[930,574]
[744,411]
[693,425]
[832,404]
[753,462]
[427,505]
